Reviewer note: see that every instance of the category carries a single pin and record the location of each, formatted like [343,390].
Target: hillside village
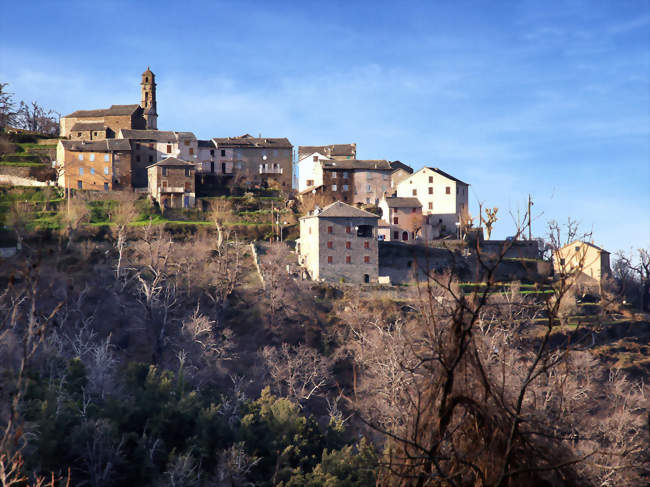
[242,311]
[375,215]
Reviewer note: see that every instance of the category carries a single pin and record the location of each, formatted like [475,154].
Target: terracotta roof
[328,150]
[338,209]
[403,202]
[105,145]
[158,135]
[84,126]
[447,175]
[246,140]
[395,165]
[171,161]
[356,164]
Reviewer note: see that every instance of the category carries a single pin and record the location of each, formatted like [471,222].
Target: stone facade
[148,99]
[403,219]
[172,183]
[340,243]
[94,165]
[256,161]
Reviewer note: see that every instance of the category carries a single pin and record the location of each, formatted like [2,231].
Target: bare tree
[7,107]
[301,371]
[639,267]
[35,118]
[489,219]
[235,465]
[122,213]
[220,212]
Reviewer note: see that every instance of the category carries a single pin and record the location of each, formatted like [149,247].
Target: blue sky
[547,98]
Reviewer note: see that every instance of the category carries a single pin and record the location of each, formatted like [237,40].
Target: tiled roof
[114,110]
[186,135]
[105,145]
[356,164]
[245,141]
[447,175]
[171,161]
[395,165]
[328,150]
[399,202]
[158,135]
[343,210]
[84,126]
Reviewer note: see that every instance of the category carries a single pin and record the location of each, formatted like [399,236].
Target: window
[188,172]
[188,187]
[577,248]
[92,170]
[91,157]
[395,235]
[330,245]
[562,262]
[348,259]
[212,152]
[223,153]
[447,190]
[95,134]
[348,229]
[106,158]
[405,236]
[150,146]
[364,231]
[329,259]
[79,185]
[150,158]
[346,187]
[105,169]
[345,175]
[415,192]
[333,187]
[164,184]
[330,229]
[430,189]
[191,151]
[334,175]
[105,186]
[395,220]
[169,149]
[368,189]
[81,171]
[413,210]
[348,245]
[430,205]
[186,142]
[366,245]
[430,179]
[81,157]
[366,259]
[310,182]
[315,158]
[164,171]
[78,134]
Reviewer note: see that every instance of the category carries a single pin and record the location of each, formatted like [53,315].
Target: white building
[444,198]
[310,171]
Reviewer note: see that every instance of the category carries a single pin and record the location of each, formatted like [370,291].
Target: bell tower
[148,102]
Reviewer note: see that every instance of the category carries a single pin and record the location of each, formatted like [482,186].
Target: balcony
[270,170]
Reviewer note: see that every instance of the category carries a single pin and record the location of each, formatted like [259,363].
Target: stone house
[444,198]
[402,219]
[207,158]
[151,146]
[256,161]
[172,183]
[338,243]
[101,165]
[400,172]
[107,122]
[589,261]
[352,181]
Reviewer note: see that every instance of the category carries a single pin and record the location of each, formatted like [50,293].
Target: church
[105,123]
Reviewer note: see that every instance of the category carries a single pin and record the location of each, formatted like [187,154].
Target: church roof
[114,110]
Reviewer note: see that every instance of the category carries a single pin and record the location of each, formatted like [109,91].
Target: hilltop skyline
[513,99]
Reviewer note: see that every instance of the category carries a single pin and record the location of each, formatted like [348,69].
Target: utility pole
[530,203]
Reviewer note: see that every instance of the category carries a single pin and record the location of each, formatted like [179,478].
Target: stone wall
[42,173]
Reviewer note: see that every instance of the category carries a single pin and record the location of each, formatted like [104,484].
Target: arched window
[405,236]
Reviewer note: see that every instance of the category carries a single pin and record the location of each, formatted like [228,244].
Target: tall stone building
[105,123]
